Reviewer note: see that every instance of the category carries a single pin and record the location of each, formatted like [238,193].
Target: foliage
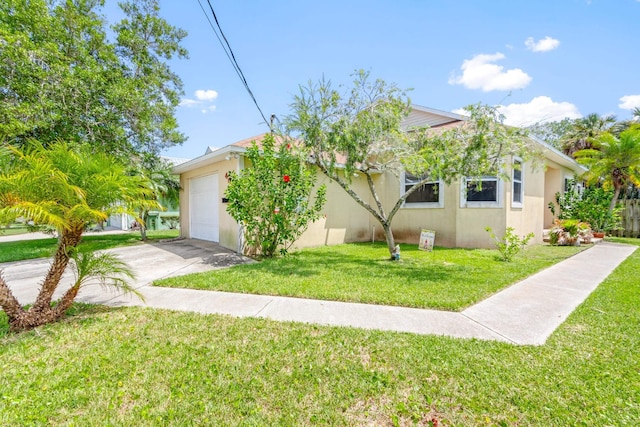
[67,187]
[360,133]
[580,134]
[449,279]
[510,244]
[104,269]
[614,162]
[171,221]
[552,132]
[63,79]
[164,185]
[591,206]
[273,198]
[569,232]
[136,366]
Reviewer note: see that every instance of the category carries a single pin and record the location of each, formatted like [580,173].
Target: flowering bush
[272,197]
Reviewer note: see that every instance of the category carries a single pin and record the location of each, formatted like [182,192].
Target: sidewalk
[524,313]
[36,235]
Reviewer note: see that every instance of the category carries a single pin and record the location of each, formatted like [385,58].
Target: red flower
[286,178]
[288,146]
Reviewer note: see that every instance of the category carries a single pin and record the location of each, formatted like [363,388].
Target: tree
[68,187]
[551,132]
[162,183]
[584,130]
[613,161]
[62,79]
[272,199]
[361,133]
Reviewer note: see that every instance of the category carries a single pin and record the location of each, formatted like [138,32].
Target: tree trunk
[8,301]
[41,312]
[388,234]
[614,199]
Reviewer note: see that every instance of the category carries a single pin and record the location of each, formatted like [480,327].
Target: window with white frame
[482,192]
[428,194]
[517,184]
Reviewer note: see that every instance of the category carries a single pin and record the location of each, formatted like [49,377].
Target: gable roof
[419,116]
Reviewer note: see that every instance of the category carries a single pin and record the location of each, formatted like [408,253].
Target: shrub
[590,206]
[271,199]
[170,221]
[511,244]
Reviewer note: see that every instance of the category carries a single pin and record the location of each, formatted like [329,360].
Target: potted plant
[570,232]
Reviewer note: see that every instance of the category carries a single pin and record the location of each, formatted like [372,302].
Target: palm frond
[104,269]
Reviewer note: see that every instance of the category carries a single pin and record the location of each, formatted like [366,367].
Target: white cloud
[186,102]
[543,45]
[206,94]
[629,102]
[540,109]
[480,72]
[204,99]
[464,112]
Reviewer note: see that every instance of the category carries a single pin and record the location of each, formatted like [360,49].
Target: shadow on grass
[357,260]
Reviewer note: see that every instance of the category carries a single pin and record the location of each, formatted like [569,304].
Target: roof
[419,116]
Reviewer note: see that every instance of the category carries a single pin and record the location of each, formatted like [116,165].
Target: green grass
[44,248]
[625,240]
[449,279]
[13,230]
[149,367]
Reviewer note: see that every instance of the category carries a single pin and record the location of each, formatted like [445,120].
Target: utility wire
[229,52]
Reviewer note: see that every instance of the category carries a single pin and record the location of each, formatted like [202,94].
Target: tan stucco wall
[555,175]
[343,220]
[228,227]
[528,218]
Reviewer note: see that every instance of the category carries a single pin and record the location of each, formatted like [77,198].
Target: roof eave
[206,159]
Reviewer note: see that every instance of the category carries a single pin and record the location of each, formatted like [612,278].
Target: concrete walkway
[524,313]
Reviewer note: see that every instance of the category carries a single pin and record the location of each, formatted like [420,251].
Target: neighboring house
[158,220]
[459,217]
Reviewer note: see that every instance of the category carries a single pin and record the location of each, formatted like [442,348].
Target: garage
[203,208]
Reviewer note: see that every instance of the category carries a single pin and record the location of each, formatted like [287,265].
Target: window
[484,192]
[517,188]
[428,194]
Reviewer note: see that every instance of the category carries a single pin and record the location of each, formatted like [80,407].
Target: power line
[229,52]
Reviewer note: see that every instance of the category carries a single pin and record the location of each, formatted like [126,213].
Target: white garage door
[203,208]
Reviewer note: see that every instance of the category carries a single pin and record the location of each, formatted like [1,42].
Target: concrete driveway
[150,261]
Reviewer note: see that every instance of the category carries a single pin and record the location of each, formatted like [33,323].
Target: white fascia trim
[520,204]
[440,112]
[213,157]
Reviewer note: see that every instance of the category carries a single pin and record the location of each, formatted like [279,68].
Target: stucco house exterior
[456,212]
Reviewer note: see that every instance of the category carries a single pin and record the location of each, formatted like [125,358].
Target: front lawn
[449,279]
[146,367]
[45,248]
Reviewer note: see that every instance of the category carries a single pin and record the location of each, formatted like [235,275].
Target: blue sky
[541,60]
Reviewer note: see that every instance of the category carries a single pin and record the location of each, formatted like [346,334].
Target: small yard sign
[427,237]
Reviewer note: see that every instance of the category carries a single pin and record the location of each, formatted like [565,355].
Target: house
[458,213]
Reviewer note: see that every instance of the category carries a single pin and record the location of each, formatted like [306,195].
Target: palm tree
[613,161]
[163,185]
[584,130]
[66,187]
